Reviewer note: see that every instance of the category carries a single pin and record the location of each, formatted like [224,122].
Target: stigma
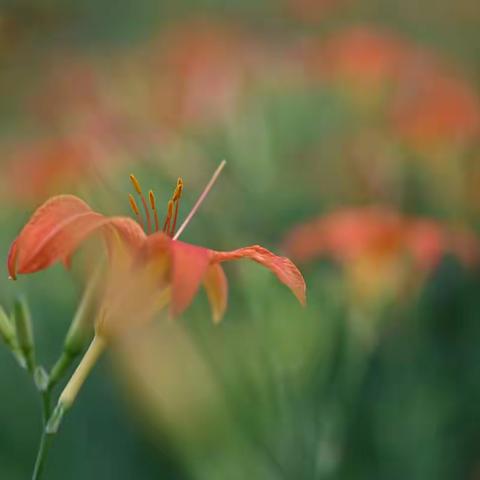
[150,209]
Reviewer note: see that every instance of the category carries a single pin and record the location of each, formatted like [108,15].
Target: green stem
[46,407]
[59,369]
[45,443]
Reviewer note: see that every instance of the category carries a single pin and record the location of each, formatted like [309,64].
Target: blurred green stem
[59,369]
[45,443]
[46,406]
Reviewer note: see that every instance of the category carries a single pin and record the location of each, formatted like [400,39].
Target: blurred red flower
[435,109]
[45,167]
[200,72]
[350,234]
[361,56]
[384,255]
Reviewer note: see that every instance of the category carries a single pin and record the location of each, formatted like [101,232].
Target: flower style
[64,222]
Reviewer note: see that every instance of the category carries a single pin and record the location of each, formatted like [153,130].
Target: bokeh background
[351,131]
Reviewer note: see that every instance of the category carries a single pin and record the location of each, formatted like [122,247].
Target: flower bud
[79,333]
[41,379]
[81,328]
[7,330]
[24,328]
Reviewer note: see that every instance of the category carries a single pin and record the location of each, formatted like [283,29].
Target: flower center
[170,223]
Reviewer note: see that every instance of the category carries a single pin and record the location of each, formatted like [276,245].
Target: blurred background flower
[351,131]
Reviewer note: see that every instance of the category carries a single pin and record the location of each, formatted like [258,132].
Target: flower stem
[45,443]
[91,356]
[52,420]
[59,369]
[46,406]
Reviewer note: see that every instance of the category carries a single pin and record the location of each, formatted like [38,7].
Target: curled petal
[12,260]
[282,267]
[189,266]
[216,286]
[56,229]
[130,231]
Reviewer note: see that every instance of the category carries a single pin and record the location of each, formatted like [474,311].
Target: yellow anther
[151,197]
[135,183]
[133,204]
[170,209]
[178,190]
[168,218]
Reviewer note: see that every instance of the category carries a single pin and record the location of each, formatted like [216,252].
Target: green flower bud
[81,328]
[41,379]
[7,330]
[24,328]
[79,333]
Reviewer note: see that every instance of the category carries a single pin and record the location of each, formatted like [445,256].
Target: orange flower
[202,72]
[436,109]
[361,56]
[61,224]
[382,253]
[352,233]
[44,166]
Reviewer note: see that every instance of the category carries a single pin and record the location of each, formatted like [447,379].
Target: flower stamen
[153,204]
[176,200]
[134,207]
[168,218]
[136,185]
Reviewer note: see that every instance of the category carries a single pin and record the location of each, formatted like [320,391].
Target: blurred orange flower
[202,72]
[351,233]
[434,109]
[381,250]
[46,166]
[362,56]
[61,224]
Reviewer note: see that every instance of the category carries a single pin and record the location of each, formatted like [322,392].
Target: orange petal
[12,260]
[216,286]
[189,266]
[282,267]
[130,231]
[156,251]
[56,229]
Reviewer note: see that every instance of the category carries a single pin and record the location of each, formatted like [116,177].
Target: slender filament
[153,204]
[136,185]
[136,211]
[176,199]
[168,218]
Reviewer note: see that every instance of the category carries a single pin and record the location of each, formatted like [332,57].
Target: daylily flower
[435,109]
[373,244]
[43,167]
[359,56]
[205,67]
[350,233]
[64,222]
[384,257]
